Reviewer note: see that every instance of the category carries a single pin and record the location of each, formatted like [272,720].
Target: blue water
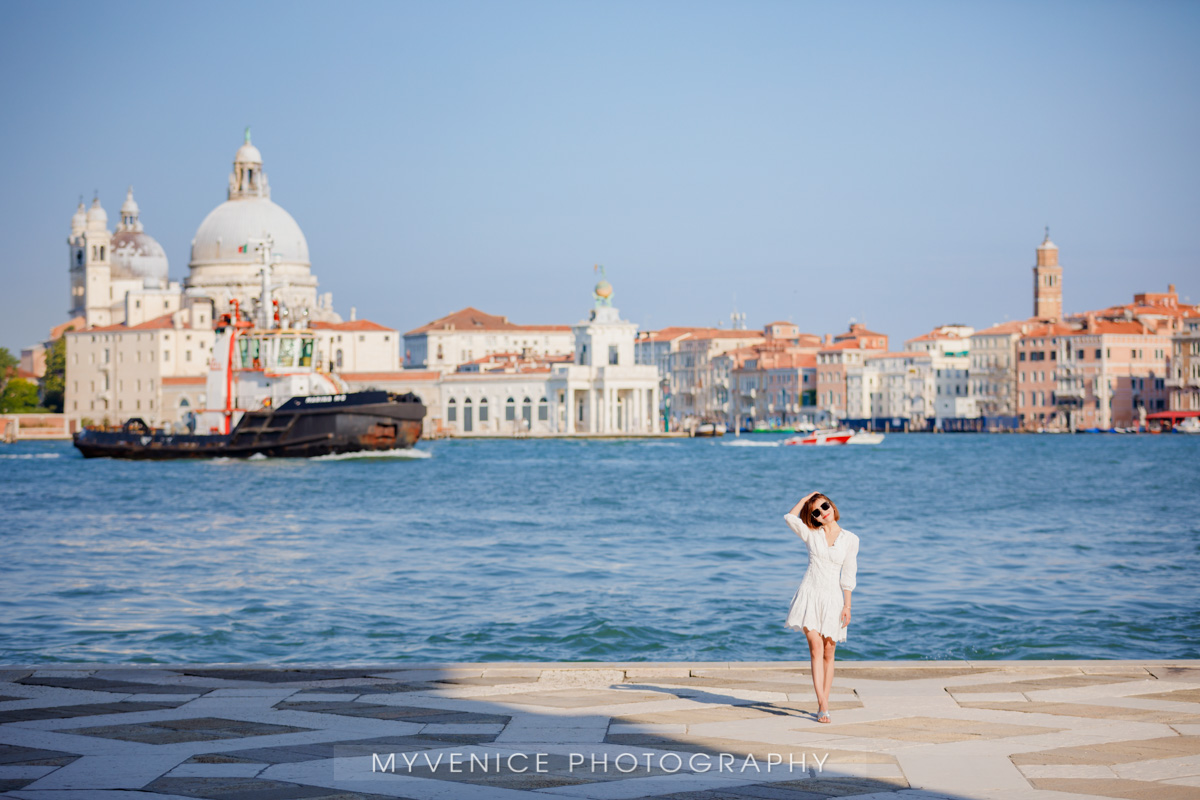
[972,546]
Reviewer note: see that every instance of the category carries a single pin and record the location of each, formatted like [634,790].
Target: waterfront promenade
[1002,730]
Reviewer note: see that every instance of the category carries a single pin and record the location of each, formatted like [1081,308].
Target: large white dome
[235,222]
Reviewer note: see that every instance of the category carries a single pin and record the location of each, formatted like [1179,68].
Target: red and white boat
[821,437]
[836,437]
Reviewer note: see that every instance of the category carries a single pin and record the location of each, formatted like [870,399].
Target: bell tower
[1047,282]
[95,246]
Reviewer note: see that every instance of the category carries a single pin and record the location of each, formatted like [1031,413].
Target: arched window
[483,410]
[527,411]
[452,411]
[183,402]
[543,410]
[439,352]
[101,252]
[510,410]
[337,358]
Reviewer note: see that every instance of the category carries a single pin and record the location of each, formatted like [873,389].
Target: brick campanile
[1047,282]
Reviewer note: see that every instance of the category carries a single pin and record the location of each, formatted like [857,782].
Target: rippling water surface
[972,546]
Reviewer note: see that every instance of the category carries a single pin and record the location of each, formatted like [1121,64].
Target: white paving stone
[1160,769]
[103,772]
[927,768]
[12,772]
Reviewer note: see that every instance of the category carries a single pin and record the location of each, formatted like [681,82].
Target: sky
[888,163]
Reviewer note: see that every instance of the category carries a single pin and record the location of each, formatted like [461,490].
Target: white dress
[818,601]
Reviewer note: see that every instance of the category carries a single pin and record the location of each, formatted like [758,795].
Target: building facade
[469,334]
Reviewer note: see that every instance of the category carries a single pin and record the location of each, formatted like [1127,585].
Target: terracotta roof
[860,331]
[401,375]
[185,380]
[17,372]
[935,335]
[1011,326]
[470,318]
[163,322]
[75,323]
[352,325]
[667,334]
[845,344]
[1049,329]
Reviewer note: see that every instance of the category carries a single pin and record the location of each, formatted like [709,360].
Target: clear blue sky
[891,162]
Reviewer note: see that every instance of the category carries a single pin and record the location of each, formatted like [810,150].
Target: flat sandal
[823,716]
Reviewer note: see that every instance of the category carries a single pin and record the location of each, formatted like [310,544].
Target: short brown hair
[806,512]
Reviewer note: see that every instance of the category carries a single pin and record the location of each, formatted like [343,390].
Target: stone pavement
[998,730]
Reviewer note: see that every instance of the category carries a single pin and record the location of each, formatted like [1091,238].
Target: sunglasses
[816,512]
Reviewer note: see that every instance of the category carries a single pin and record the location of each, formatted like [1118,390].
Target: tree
[8,364]
[54,382]
[19,396]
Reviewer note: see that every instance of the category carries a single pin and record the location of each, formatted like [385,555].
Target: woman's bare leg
[830,650]
[816,649]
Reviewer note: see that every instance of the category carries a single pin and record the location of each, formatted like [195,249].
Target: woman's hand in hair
[796,508]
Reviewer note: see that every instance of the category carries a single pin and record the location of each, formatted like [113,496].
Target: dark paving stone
[199,729]
[84,710]
[254,789]
[4,698]
[405,713]
[118,687]
[12,755]
[278,675]
[390,687]
[13,784]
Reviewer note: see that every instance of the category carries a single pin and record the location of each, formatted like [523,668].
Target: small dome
[79,219]
[136,254]
[1046,243]
[248,154]
[603,289]
[97,214]
[130,205]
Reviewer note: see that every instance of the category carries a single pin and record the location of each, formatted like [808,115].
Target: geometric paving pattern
[992,730]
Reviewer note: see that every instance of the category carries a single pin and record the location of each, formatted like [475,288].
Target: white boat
[710,429]
[1189,425]
[865,437]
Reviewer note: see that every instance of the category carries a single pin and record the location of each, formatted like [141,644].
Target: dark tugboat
[274,398]
[316,425]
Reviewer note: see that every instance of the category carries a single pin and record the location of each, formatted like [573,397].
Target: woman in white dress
[821,605]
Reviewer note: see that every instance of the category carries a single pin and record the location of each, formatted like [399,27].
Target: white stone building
[949,349]
[469,334]
[600,391]
[114,271]
[119,371]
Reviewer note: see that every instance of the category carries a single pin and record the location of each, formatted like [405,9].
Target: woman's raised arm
[794,522]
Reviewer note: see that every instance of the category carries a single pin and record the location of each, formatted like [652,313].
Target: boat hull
[301,428]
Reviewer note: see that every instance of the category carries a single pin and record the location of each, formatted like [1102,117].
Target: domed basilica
[114,273]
